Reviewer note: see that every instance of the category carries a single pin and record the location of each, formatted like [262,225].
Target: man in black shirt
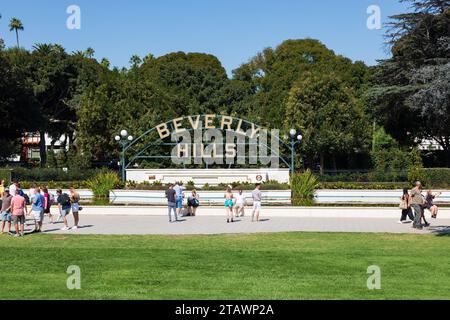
[171,202]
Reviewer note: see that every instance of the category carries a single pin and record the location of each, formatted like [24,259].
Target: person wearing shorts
[229,204]
[37,209]
[6,210]
[64,206]
[240,204]
[178,197]
[75,199]
[257,196]
[18,209]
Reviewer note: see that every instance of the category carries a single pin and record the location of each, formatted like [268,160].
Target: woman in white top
[240,204]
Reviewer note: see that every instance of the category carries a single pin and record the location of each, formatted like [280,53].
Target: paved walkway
[141,224]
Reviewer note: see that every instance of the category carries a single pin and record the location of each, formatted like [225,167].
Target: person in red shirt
[18,209]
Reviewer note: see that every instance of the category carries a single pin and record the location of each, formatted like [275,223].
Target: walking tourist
[417,202]
[405,206]
[37,209]
[430,203]
[171,202]
[193,202]
[257,196]
[178,197]
[47,204]
[6,210]
[229,204]
[64,206]
[18,210]
[240,204]
[75,201]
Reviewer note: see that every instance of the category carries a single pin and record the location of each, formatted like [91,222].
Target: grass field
[259,266]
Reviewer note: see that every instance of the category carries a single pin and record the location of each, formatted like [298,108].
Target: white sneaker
[64,229]
[400,222]
[74,228]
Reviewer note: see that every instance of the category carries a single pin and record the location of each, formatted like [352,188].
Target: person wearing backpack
[405,206]
[64,206]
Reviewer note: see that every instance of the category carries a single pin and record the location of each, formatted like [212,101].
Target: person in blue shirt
[37,209]
[178,197]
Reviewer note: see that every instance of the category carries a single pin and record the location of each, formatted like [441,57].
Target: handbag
[403,205]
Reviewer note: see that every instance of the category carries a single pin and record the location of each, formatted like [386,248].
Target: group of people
[16,205]
[234,204]
[413,204]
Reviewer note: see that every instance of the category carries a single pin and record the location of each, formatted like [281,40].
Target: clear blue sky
[232,30]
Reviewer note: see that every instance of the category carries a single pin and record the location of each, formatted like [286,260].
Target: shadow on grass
[440,231]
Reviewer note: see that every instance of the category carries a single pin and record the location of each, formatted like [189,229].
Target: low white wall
[369,196]
[206,197]
[212,177]
[85,194]
[273,197]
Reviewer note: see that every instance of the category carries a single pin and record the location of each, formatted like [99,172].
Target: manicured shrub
[103,182]
[303,187]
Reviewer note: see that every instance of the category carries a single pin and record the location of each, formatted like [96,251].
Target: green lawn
[260,266]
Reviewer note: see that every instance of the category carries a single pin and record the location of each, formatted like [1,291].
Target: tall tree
[16,25]
[331,118]
[418,39]
[432,102]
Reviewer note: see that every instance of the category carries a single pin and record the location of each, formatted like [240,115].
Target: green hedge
[432,178]
[55,184]
[45,174]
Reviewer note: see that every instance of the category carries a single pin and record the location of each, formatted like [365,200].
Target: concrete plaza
[212,220]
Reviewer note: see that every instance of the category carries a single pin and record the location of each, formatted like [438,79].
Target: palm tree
[89,53]
[16,25]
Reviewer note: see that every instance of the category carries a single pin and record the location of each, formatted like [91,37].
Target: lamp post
[124,140]
[294,140]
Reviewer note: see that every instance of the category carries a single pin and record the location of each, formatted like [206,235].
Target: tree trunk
[42,148]
[333,158]
[322,163]
[17,38]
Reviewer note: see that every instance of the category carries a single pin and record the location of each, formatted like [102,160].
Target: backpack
[64,199]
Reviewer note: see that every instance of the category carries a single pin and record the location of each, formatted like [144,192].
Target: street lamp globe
[300,137]
[130,138]
[117,138]
[293,132]
[124,133]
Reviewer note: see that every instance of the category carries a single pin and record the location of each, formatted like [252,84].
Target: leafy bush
[437,177]
[5,174]
[303,187]
[103,182]
[364,185]
[55,184]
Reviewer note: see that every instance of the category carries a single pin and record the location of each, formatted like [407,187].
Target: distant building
[31,146]
[429,145]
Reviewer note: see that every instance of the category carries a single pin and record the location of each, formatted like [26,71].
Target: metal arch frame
[125,165]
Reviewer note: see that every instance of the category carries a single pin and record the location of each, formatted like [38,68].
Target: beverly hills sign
[219,139]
